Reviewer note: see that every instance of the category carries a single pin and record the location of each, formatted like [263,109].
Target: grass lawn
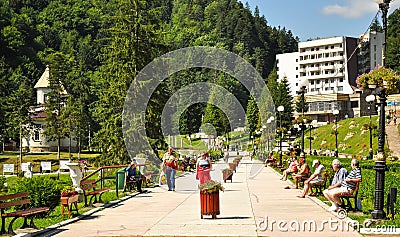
[367,186]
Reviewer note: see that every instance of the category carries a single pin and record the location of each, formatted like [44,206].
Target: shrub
[43,191]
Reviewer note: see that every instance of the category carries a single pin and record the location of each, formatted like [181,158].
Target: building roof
[44,81]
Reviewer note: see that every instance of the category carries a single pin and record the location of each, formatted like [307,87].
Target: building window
[340,88]
[354,104]
[36,136]
[326,80]
[312,89]
[326,88]
[318,81]
[312,82]
[297,60]
[332,88]
[341,80]
[297,76]
[297,68]
[332,80]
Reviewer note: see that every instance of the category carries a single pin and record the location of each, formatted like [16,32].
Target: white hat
[315,162]
[134,162]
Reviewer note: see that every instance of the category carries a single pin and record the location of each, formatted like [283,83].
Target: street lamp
[301,92]
[263,129]
[310,126]
[370,99]
[336,112]
[270,120]
[380,162]
[280,110]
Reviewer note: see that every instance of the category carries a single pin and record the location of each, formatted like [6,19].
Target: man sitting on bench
[134,175]
[346,187]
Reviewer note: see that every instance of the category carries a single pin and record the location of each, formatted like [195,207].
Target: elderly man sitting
[134,175]
[340,175]
[315,178]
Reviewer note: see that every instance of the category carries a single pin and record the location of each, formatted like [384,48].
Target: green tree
[393,41]
[252,116]
[57,122]
[132,43]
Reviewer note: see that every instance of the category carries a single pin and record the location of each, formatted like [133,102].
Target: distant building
[370,51]
[35,140]
[330,66]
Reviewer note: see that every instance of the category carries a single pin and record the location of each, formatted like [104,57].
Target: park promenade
[254,204]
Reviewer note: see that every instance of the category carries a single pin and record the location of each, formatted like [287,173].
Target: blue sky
[320,18]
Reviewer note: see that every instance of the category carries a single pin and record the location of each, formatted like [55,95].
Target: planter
[232,166]
[69,203]
[75,173]
[227,175]
[209,203]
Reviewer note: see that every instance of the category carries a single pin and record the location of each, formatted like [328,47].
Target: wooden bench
[130,184]
[89,189]
[346,200]
[14,200]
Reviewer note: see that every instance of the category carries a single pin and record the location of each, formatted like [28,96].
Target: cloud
[355,8]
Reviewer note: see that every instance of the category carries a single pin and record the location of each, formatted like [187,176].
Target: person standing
[171,165]
[203,168]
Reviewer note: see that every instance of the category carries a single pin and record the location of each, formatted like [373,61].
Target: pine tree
[132,44]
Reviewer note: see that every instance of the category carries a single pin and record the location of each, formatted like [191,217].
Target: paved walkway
[393,138]
[254,204]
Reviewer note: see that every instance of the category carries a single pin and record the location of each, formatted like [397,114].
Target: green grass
[367,186]
[353,137]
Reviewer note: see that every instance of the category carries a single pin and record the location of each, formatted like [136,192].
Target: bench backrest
[88,184]
[16,199]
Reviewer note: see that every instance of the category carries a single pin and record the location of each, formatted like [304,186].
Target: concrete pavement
[254,204]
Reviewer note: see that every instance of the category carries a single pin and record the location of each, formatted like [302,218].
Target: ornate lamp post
[263,129]
[280,110]
[380,162]
[270,143]
[310,126]
[370,99]
[335,113]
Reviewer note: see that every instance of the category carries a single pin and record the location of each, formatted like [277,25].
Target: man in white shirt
[315,178]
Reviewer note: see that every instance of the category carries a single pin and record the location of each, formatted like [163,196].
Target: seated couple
[297,173]
[342,184]
[315,179]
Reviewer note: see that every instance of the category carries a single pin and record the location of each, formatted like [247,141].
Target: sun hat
[315,162]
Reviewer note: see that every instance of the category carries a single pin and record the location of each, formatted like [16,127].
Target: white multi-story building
[330,68]
[370,53]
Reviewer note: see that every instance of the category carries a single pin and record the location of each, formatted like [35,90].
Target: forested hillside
[95,48]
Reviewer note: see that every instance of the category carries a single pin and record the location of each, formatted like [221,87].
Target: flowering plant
[211,186]
[381,77]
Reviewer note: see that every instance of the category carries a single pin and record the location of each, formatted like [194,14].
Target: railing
[102,177]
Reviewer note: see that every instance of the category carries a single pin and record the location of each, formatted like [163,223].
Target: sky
[309,19]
